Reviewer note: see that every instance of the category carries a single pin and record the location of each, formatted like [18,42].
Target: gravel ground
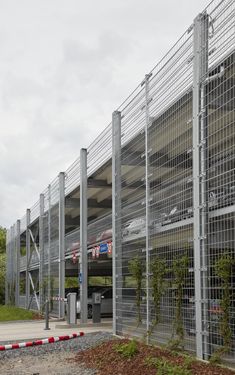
[50,358]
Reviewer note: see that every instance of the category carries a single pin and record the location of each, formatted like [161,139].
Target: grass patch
[165,367]
[9,313]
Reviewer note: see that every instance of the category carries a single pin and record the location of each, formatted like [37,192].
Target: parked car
[177,213]
[215,312]
[134,228]
[221,197]
[105,235]
[106,302]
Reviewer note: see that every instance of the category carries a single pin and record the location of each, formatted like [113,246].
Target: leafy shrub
[127,350]
[136,269]
[166,368]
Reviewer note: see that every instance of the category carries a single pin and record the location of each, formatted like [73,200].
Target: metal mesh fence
[173,194]
[219,139]
[72,177]
[54,245]
[169,215]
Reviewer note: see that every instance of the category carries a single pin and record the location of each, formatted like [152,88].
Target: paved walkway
[22,331]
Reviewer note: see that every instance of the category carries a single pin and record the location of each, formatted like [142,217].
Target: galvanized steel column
[41,251]
[12,266]
[17,280]
[27,281]
[147,198]
[116,217]
[49,245]
[7,268]
[61,242]
[200,70]
[83,234]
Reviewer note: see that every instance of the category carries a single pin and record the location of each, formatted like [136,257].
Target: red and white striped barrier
[59,299]
[50,340]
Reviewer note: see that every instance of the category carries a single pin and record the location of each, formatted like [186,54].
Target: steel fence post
[17,281]
[12,260]
[7,269]
[41,250]
[27,257]
[147,199]
[200,71]
[116,218]
[49,245]
[83,234]
[61,242]
[47,316]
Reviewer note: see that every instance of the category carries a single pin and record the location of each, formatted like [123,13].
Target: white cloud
[64,67]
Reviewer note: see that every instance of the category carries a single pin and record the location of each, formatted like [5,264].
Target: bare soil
[108,361]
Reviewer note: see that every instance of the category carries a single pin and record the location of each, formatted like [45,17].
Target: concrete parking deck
[29,330]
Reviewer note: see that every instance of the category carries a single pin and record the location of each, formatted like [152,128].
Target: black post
[46,316]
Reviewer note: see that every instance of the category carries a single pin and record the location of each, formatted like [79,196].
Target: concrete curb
[83,325]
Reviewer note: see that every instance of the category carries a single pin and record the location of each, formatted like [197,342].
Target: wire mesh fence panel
[72,177]
[99,151]
[22,269]
[44,251]
[54,245]
[34,212]
[156,187]
[10,265]
[99,231]
[72,243]
[172,310]
[7,271]
[155,159]
[221,285]
[173,184]
[23,224]
[219,139]
[22,301]
[34,259]
[171,207]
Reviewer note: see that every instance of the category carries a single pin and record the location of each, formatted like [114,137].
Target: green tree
[2,240]
[2,278]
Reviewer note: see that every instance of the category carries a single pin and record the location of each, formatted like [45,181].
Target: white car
[134,228]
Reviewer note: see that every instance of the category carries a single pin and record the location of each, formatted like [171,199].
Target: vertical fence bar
[41,250]
[147,198]
[17,281]
[61,242]
[204,178]
[14,261]
[12,265]
[7,269]
[83,234]
[27,258]
[49,245]
[200,40]
[116,216]
[8,265]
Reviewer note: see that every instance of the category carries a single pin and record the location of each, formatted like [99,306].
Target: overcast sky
[65,65]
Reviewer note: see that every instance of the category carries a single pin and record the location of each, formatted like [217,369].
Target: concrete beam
[92,203]
[94,183]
